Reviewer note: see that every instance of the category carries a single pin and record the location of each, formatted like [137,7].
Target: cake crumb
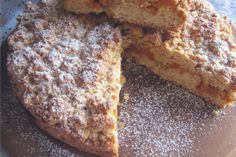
[126,96]
[218,112]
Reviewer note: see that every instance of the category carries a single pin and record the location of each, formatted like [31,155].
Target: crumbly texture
[201,57]
[161,14]
[66,68]
[66,71]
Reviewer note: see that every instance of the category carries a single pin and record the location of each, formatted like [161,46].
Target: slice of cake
[201,57]
[66,71]
[162,14]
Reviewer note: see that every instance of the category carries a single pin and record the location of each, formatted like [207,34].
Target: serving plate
[156,118]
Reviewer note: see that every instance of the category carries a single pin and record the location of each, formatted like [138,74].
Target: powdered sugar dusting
[61,72]
[28,140]
[159,118]
[210,43]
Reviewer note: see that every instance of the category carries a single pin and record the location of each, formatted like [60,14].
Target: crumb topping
[66,70]
[207,39]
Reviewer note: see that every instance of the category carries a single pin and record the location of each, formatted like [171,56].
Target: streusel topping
[207,39]
[66,70]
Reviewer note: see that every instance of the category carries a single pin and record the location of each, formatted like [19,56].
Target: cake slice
[162,14]
[201,57]
[66,71]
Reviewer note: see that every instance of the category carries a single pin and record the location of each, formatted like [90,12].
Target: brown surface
[156,109]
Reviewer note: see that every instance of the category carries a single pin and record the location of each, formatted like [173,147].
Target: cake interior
[179,75]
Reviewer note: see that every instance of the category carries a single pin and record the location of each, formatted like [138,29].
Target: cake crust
[66,71]
[161,14]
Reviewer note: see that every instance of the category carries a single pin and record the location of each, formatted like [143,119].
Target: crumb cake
[162,14]
[201,57]
[66,71]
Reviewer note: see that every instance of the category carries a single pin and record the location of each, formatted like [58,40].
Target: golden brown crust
[66,71]
[161,14]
